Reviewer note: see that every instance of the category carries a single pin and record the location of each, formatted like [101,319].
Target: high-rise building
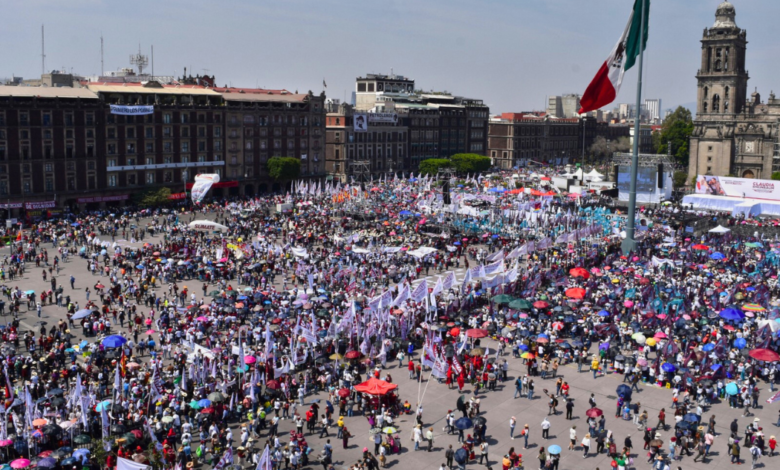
[653,110]
[566,106]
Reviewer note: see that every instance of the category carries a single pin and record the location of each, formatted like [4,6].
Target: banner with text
[131,110]
[738,187]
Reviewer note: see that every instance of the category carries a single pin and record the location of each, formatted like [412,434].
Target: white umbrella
[81,314]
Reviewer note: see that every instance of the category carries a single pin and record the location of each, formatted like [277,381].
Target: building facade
[272,123]
[379,146]
[63,147]
[517,139]
[732,135]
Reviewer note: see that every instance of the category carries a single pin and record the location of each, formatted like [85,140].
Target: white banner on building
[738,187]
[383,117]
[131,110]
[202,185]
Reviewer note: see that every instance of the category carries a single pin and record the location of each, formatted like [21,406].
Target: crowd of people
[194,344]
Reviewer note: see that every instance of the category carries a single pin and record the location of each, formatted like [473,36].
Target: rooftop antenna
[43,53]
[102,67]
[139,60]
[152,61]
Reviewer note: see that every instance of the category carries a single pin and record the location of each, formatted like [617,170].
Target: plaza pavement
[496,406]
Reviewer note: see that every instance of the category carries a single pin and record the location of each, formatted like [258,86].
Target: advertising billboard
[738,187]
[646,179]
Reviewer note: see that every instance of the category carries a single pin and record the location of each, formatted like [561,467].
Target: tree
[601,148]
[776,176]
[679,179]
[470,162]
[153,197]
[677,129]
[431,166]
[284,168]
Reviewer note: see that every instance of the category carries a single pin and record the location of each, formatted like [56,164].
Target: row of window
[130,132]
[25,118]
[25,150]
[290,120]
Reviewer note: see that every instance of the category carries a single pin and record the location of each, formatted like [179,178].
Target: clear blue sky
[511,53]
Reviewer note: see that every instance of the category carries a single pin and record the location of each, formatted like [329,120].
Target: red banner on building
[178,196]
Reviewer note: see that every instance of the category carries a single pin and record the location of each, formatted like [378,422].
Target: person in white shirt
[572,437]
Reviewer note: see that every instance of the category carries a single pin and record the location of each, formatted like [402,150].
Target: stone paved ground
[497,407]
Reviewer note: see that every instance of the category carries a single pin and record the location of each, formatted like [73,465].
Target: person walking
[545,428]
[755,453]
[429,438]
[525,432]
[572,437]
[512,424]
[483,453]
[449,454]
[585,445]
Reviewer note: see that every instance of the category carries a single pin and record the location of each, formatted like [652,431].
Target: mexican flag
[605,85]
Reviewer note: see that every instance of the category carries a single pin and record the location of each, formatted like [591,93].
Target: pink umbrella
[659,335]
[641,361]
[523,315]
[749,314]
[202,319]
[20,463]
[149,332]
[6,442]
[250,359]
[628,304]
[686,317]
[661,316]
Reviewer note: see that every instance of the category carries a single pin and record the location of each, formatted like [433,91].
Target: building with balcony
[517,139]
[267,123]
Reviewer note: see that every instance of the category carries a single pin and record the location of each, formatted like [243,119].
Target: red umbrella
[575,293]
[579,272]
[344,392]
[455,332]
[353,355]
[541,304]
[374,386]
[764,355]
[207,410]
[273,384]
[594,413]
[699,246]
[476,333]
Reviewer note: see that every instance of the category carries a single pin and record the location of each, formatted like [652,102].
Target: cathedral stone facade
[732,135]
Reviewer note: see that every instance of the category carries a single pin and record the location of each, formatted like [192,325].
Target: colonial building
[516,139]
[440,124]
[377,146]
[51,147]
[269,123]
[732,135]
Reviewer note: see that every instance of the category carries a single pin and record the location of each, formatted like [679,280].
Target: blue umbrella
[78,453]
[604,313]
[103,405]
[692,418]
[461,456]
[732,389]
[740,343]
[666,367]
[139,266]
[114,341]
[543,336]
[554,449]
[708,347]
[205,403]
[523,347]
[405,213]
[624,390]
[464,423]
[731,314]
[717,256]
[48,462]
[715,366]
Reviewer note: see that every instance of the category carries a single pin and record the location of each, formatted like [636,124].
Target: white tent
[720,229]
[594,174]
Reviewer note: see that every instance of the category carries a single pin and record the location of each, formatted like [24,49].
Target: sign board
[360,123]
[10,223]
[738,187]
[383,117]
[131,110]
[283,207]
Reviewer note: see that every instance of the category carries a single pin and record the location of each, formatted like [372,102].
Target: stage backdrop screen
[646,179]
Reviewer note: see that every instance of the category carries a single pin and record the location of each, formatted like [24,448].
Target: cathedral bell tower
[722,78]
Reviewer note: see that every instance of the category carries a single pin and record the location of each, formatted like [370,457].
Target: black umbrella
[55,392]
[118,429]
[51,430]
[62,452]
[461,456]
[82,439]
[479,421]
[57,402]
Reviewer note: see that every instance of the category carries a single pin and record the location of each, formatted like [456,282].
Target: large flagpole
[629,243]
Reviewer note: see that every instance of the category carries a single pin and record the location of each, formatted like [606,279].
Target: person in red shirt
[411,368]
[565,389]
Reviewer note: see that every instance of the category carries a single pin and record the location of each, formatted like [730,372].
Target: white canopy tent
[720,229]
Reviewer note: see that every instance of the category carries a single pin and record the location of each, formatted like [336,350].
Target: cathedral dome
[724,16]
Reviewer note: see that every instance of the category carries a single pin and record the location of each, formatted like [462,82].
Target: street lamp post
[184,174]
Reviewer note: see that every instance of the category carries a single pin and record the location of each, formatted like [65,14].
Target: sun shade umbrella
[464,423]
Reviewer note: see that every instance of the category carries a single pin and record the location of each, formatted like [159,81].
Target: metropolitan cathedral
[733,135]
